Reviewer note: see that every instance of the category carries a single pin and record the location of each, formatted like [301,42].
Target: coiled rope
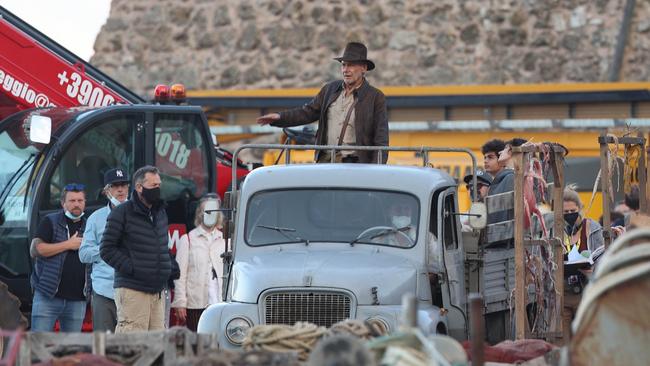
[300,338]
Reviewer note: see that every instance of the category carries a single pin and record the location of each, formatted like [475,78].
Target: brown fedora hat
[356,52]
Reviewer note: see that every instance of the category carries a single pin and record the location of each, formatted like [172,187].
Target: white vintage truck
[319,243]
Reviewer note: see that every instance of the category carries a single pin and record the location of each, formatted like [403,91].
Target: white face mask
[401,221]
[69,215]
[210,218]
[114,201]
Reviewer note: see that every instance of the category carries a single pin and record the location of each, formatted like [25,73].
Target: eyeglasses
[74,187]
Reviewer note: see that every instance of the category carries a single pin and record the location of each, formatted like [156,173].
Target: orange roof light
[161,93]
[178,92]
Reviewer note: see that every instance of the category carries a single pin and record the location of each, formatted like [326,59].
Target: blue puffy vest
[47,271]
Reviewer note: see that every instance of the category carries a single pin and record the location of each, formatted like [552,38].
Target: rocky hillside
[220,44]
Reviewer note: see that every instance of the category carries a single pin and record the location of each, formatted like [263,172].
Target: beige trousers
[139,311]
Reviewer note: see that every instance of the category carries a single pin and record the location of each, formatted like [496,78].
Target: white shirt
[336,116]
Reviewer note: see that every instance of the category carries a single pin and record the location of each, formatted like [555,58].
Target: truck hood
[355,271]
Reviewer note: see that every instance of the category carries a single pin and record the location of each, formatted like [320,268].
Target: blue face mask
[114,201]
[69,215]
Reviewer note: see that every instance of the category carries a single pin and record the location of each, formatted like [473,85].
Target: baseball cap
[481,177]
[116,175]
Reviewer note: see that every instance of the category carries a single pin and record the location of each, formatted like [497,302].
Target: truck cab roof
[415,180]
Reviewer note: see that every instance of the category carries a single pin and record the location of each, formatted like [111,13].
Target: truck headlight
[379,324]
[237,329]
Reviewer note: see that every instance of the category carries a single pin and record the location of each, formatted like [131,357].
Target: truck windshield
[18,157]
[332,215]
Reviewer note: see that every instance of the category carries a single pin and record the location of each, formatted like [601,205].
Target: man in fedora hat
[348,111]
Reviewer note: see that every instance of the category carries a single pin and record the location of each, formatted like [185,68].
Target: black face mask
[151,195]
[570,220]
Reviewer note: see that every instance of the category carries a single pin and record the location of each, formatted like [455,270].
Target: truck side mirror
[478,215]
[40,129]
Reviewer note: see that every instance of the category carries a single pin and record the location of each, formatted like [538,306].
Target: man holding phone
[58,276]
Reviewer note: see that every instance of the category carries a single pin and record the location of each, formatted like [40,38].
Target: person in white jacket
[198,254]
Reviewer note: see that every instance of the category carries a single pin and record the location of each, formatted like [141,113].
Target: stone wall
[221,44]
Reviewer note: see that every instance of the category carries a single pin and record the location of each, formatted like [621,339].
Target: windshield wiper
[381,233]
[284,231]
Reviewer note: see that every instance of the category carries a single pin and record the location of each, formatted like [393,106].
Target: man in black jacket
[348,111]
[135,244]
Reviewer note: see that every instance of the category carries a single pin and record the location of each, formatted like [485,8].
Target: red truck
[62,121]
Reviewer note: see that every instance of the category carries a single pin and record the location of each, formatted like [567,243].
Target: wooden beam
[169,347]
[520,270]
[99,343]
[38,348]
[552,241]
[558,236]
[148,357]
[605,185]
[647,189]
[604,139]
[25,354]
[643,194]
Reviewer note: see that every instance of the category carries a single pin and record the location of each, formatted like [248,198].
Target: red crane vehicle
[62,121]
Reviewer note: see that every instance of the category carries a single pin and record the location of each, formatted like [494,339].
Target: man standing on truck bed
[349,111]
[503,177]
[135,245]
[58,278]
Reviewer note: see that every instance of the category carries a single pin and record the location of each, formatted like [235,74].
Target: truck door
[449,229]
[18,159]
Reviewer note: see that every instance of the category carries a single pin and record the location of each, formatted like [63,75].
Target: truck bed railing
[423,150]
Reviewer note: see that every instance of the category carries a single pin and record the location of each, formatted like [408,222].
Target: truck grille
[321,308]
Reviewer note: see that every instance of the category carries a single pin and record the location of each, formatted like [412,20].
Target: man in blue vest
[116,189]
[58,277]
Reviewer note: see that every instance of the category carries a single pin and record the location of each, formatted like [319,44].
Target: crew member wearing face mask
[135,244]
[582,233]
[199,257]
[58,277]
[116,190]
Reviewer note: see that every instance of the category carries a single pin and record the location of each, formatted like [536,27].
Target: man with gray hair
[349,111]
[135,245]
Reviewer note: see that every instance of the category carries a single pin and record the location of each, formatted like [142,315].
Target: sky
[74,24]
